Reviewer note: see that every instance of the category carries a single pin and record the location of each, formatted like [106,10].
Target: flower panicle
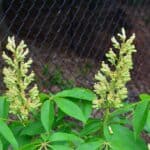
[112,77]
[19,79]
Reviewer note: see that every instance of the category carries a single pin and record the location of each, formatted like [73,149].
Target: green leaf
[92,126]
[1,145]
[34,128]
[3,107]
[91,145]
[60,116]
[120,120]
[60,147]
[147,124]
[140,117]
[125,109]
[121,138]
[5,143]
[77,93]
[47,115]
[86,108]
[144,97]
[8,135]
[16,129]
[44,97]
[31,146]
[70,108]
[60,136]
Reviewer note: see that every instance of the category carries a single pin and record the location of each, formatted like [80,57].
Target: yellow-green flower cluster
[22,93]
[112,77]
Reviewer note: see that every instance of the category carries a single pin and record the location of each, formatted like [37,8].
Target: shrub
[64,121]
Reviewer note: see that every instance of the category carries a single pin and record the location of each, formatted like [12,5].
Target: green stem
[22,121]
[106,116]
[107,147]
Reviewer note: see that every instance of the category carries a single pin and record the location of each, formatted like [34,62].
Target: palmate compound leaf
[147,124]
[1,145]
[140,117]
[60,147]
[96,145]
[8,135]
[44,97]
[61,136]
[144,97]
[92,126]
[86,108]
[47,115]
[121,138]
[3,107]
[31,146]
[77,93]
[33,129]
[70,108]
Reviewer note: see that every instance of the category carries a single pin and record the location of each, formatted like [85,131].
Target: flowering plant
[30,120]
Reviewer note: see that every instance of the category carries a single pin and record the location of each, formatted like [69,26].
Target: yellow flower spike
[112,78]
[18,78]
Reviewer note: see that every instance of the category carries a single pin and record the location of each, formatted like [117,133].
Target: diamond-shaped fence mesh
[68,38]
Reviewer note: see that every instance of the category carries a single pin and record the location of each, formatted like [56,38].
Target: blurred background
[69,38]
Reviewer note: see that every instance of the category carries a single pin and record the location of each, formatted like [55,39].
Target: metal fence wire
[68,37]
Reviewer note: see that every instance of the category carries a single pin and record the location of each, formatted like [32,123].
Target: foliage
[64,120]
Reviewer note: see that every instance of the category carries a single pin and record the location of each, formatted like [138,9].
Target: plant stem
[106,116]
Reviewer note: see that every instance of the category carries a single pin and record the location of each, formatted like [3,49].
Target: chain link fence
[68,38]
